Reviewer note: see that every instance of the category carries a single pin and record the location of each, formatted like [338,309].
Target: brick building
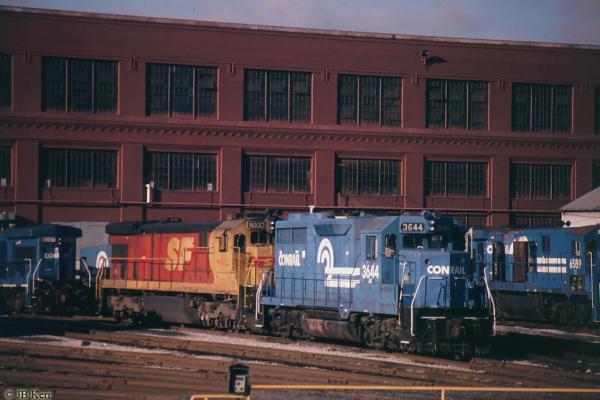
[224,118]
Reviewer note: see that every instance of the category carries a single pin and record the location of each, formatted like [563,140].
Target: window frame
[173,91]
[278,174]
[525,98]
[356,172]
[449,104]
[294,97]
[172,179]
[519,177]
[381,100]
[468,184]
[92,168]
[67,102]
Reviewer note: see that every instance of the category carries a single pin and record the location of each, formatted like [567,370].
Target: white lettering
[445,270]
[289,260]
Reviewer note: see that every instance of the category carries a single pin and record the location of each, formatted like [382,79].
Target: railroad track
[174,363]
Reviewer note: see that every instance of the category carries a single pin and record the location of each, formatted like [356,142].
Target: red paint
[232,48]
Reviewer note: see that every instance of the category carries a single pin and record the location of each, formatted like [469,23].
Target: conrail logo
[179,252]
[445,270]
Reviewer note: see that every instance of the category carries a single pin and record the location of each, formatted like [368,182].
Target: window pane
[206,95]
[53,84]
[301,100]
[596,174]
[182,90]
[277,174]
[254,95]
[347,99]
[390,173]
[457,103]
[105,78]
[392,98]
[561,182]
[300,175]
[5,166]
[541,105]
[80,85]
[478,92]
[5,80]
[160,170]
[520,107]
[562,111]
[278,95]
[436,103]
[257,173]
[369,100]
[157,89]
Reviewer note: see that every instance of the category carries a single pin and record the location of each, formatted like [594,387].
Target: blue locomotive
[38,270]
[549,275]
[394,282]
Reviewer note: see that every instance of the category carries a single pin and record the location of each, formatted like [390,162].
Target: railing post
[443,394]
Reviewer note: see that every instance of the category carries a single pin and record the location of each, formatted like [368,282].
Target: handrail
[442,390]
[592,284]
[412,306]
[87,269]
[99,277]
[33,277]
[27,294]
[257,300]
[491,298]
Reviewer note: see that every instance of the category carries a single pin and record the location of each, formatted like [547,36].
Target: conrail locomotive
[39,271]
[393,282]
[543,275]
[400,283]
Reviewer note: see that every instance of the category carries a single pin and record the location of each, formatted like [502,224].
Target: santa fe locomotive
[400,283]
[543,275]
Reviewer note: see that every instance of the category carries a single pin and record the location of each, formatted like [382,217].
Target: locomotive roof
[35,231]
[139,227]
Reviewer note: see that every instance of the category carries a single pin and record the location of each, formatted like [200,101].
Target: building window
[278,174]
[70,84]
[457,104]
[5,80]
[71,168]
[368,177]
[596,174]
[182,171]
[369,100]
[541,108]
[456,179]
[597,109]
[469,219]
[5,166]
[181,90]
[277,96]
[533,220]
[539,181]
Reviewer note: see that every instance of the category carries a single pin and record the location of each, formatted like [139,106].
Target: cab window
[371,250]
[223,243]
[390,245]
[259,237]
[412,241]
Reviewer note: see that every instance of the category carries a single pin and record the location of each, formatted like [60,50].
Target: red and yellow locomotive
[186,272]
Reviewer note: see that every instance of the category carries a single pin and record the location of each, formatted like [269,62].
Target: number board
[412,227]
[253,225]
